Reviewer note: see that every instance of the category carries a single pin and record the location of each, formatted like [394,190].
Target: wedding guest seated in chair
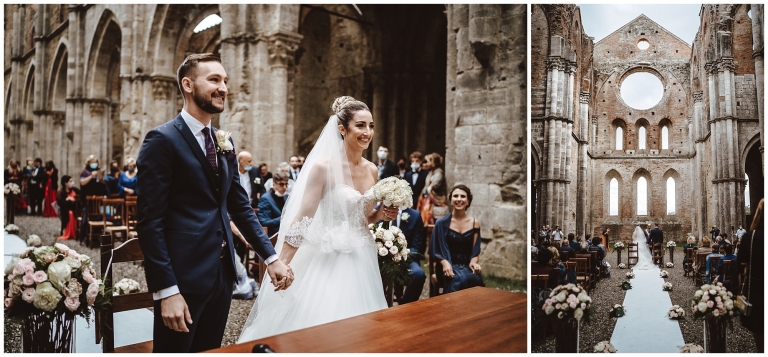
[67,201]
[271,203]
[690,243]
[455,243]
[727,250]
[717,251]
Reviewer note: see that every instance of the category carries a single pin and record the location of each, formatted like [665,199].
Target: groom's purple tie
[210,150]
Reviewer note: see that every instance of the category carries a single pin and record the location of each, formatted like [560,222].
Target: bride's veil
[644,259]
[307,207]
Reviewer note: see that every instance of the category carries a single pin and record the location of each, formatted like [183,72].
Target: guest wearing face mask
[66,199]
[126,184]
[264,171]
[386,167]
[401,168]
[91,184]
[36,185]
[250,178]
[416,177]
[52,185]
[111,180]
[271,203]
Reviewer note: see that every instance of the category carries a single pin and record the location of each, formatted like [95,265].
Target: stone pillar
[59,157]
[711,69]
[758,45]
[581,178]
[281,51]
[700,192]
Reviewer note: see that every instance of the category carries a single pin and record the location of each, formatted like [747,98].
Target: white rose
[702,307]
[404,252]
[698,294]
[404,217]
[62,248]
[257,181]
[393,250]
[84,259]
[72,262]
[46,297]
[397,258]
[729,305]
[383,251]
[578,313]
[59,274]
[560,297]
[388,236]
[379,245]
[9,268]
[395,230]
[549,309]
[388,244]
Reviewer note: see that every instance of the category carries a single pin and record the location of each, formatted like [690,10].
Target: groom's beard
[206,103]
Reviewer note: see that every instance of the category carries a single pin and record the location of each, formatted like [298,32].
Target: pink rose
[28,265]
[710,304]
[583,306]
[718,299]
[27,279]
[62,248]
[93,291]
[72,303]
[73,254]
[28,295]
[87,276]
[18,269]
[573,305]
[8,302]
[40,276]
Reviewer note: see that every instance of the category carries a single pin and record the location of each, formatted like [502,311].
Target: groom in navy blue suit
[189,193]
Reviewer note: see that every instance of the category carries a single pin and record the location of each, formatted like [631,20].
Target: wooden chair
[95,215]
[713,262]
[591,258]
[700,268]
[435,270]
[131,216]
[726,274]
[690,253]
[539,282]
[658,255]
[115,214]
[129,251]
[632,255]
[581,266]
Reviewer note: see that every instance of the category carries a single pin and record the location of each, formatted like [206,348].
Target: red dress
[50,197]
[69,231]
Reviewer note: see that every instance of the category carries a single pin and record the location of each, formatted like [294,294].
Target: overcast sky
[601,20]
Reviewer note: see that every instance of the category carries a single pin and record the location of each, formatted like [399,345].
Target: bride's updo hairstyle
[345,108]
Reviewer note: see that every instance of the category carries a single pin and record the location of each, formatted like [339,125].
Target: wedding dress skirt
[644,259]
[336,274]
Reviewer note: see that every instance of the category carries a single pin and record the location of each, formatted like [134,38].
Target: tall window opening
[670,196]
[642,197]
[619,138]
[664,138]
[641,138]
[614,198]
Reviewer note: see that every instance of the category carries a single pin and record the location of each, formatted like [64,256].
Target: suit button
[218,233]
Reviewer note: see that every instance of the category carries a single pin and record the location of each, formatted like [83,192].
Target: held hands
[174,311]
[281,275]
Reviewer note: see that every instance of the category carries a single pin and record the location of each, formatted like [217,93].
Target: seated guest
[455,243]
[716,252]
[566,247]
[126,184]
[690,243]
[705,245]
[727,251]
[271,203]
[250,179]
[67,200]
[543,263]
[597,246]
[285,168]
[111,180]
[573,241]
[264,171]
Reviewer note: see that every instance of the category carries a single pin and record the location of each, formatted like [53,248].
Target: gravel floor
[48,230]
[607,293]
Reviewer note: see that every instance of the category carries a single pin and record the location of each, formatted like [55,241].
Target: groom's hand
[281,275]
[174,311]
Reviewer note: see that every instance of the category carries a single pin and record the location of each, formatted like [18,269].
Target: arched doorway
[753,167]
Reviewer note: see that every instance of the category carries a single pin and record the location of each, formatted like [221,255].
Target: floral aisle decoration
[45,288]
[670,265]
[676,312]
[617,311]
[671,244]
[622,266]
[619,246]
[126,286]
[630,275]
[604,347]
[569,304]
[12,229]
[691,348]
[666,286]
[664,274]
[12,190]
[713,303]
[625,285]
[34,240]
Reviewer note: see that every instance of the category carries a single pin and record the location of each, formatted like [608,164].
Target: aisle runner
[645,327]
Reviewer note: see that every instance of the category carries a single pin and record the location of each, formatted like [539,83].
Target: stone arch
[106,39]
[641,172]
[57,87]
[617,124]
[673,174]
[646,126]
[187,33]
[666,122]
[610,175]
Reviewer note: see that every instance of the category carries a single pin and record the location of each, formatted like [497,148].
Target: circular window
[643,45]
[642,90]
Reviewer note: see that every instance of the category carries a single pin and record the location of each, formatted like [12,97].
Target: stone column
[758,45]
[281,51]
[700,194]
[581,178]
[711,69]
[59,156]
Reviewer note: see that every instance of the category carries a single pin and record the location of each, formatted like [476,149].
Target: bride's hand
[389,213]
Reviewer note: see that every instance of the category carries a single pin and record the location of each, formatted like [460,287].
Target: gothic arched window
[613,198]
[619,138]
[641,138]
[670,196]
[642,197]
[664,138]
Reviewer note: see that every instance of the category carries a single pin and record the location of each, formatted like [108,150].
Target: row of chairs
[113,215]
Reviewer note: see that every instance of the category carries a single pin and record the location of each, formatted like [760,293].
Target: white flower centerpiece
[34,241]
[622,266]
[46,287]
[126,286]
[392,249]
[676,312]
[670,265]
[664,274]
[671,244]
[12,229]
[604,347]
[666,286]
[12,189]
[630,275]
[691,348]
[568,302]
[618,246]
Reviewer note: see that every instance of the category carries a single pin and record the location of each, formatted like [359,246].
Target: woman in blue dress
[455,244]
[126,184]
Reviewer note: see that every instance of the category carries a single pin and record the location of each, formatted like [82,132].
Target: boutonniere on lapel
[223,145]
[257,181]
[404,217]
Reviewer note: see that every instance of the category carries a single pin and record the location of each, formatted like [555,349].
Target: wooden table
[472,320]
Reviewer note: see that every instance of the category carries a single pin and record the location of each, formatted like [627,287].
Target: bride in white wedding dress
[644,259]
[324,233]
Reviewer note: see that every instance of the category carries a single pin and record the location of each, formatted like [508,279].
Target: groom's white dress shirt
[197,130]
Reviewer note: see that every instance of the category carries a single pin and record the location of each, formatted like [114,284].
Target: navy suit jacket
[256,188]
[657,236]
[269,212]
[184,211]
[419,186]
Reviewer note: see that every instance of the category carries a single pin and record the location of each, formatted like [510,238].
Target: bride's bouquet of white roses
[676,312]
[568,302]
[671,244]
[604,347]
[619,246]
[666,286]
[712,301]
[691,348]
[52,278]
[126,286]
[392,249]
[393,191]
[12,189]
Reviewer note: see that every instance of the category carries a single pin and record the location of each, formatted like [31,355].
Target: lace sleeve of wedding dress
[295,235]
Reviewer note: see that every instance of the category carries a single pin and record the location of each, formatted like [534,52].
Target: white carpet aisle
[646,327]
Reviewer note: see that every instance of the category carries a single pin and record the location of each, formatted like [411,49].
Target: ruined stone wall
[486,117]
